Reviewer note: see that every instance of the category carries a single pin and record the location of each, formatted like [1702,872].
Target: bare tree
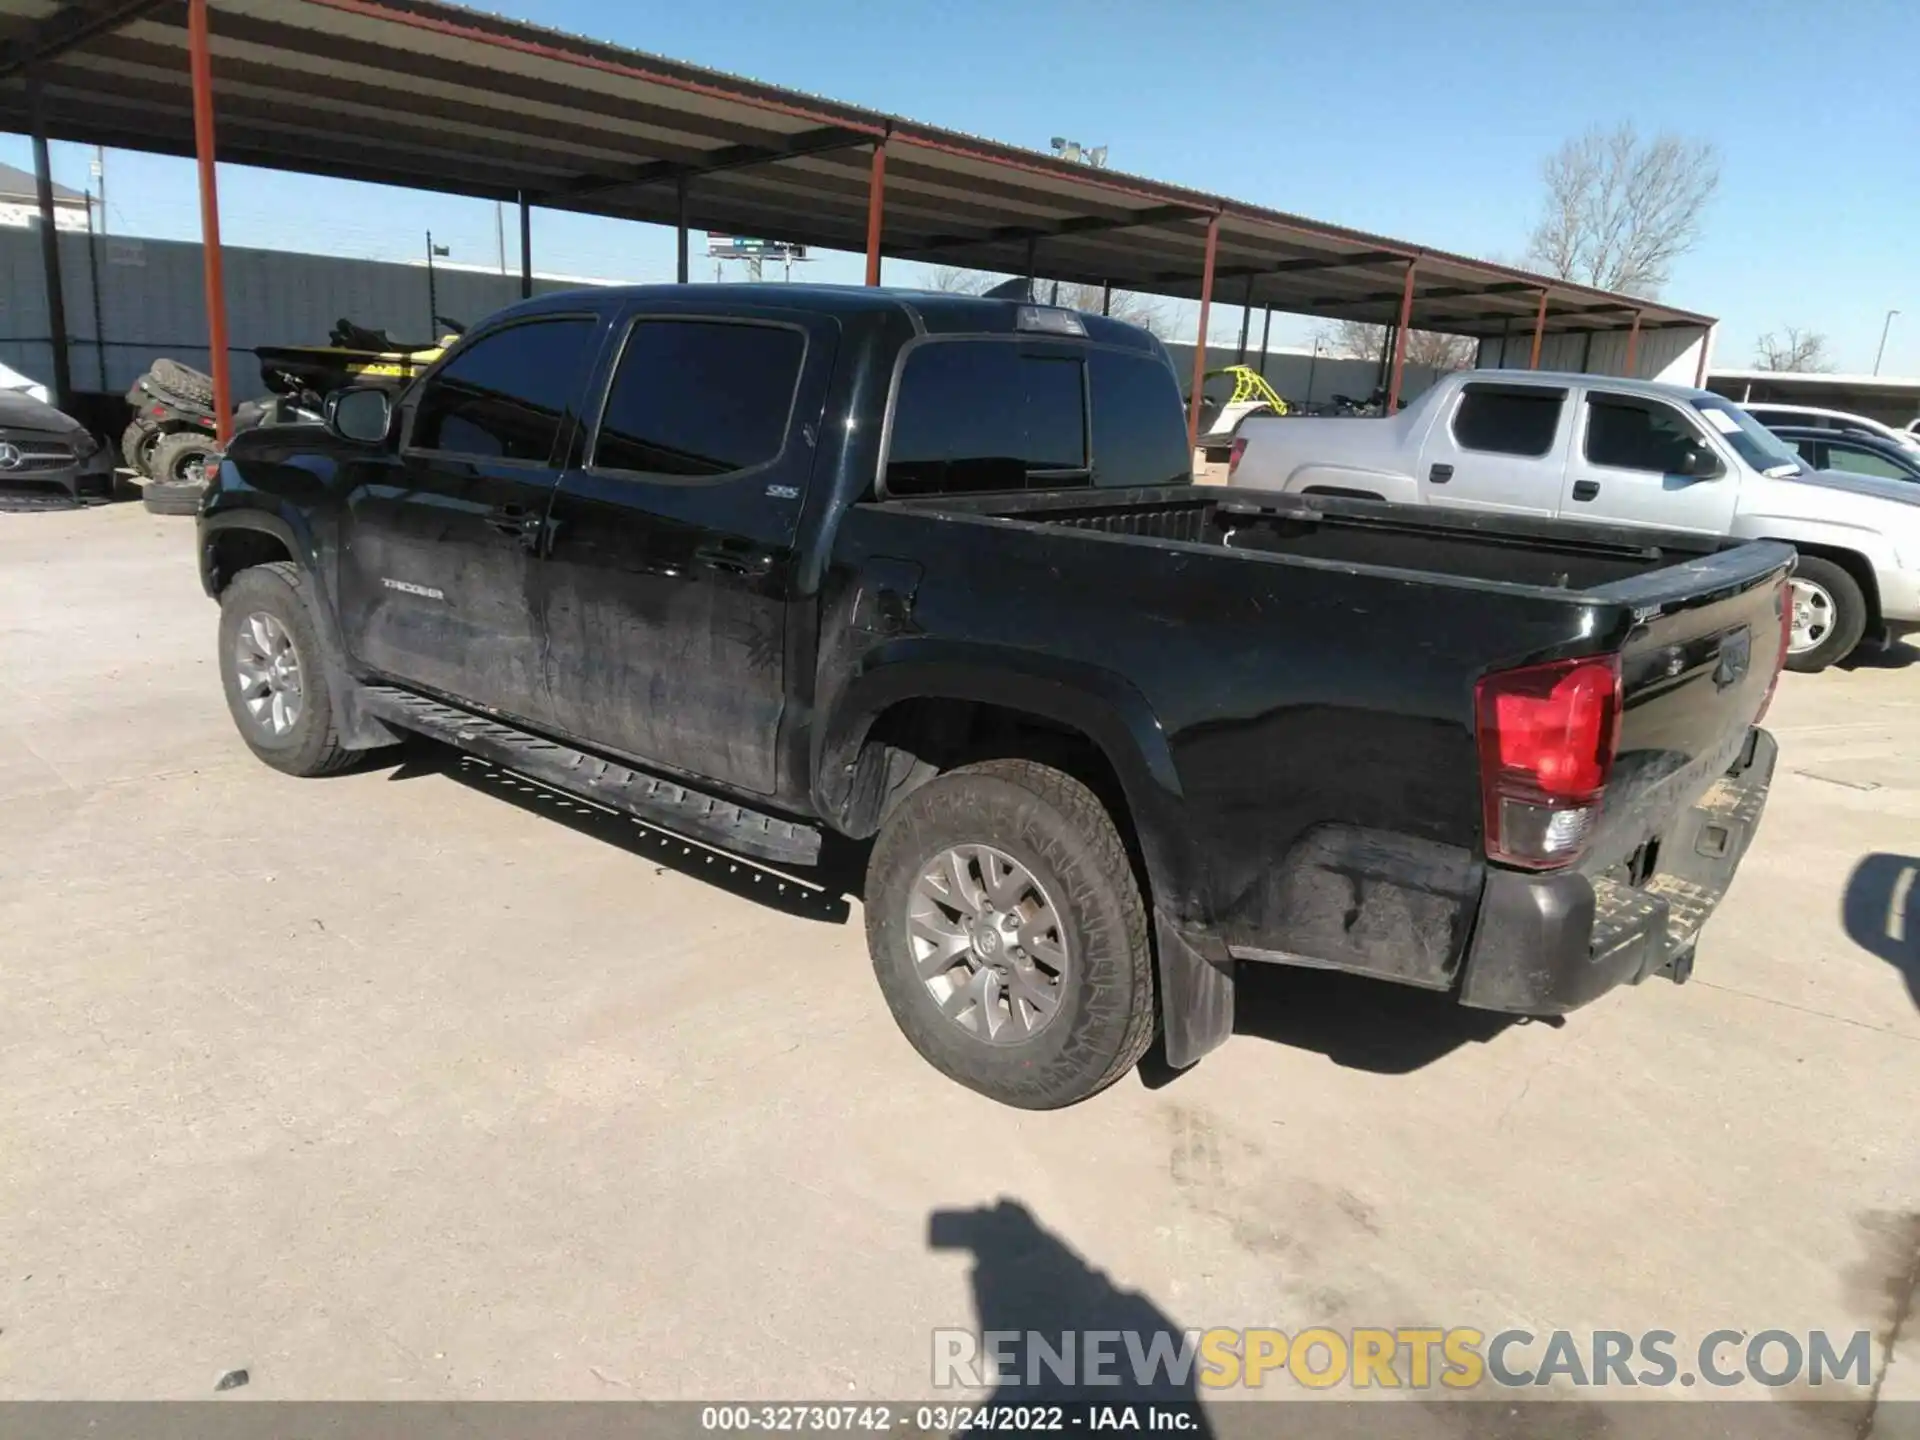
[1620,210]
[1360,341]
[1802,351]
[1142,310]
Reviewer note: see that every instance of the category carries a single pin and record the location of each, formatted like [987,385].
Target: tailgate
[1695,674]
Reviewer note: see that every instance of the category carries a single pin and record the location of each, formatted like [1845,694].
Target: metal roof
[433,96]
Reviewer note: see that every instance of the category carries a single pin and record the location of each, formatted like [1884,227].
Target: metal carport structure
[433,96]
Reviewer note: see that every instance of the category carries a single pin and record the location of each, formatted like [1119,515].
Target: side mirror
[1700,463]
[360,415]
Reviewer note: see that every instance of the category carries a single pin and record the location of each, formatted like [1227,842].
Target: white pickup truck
[1622,453]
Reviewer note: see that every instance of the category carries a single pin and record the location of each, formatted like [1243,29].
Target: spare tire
[136,447]
[182,380]
[181,458]
[168,497]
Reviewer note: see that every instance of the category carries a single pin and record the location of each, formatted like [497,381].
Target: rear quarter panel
[1278,696]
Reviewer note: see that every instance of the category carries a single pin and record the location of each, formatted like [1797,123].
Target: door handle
[1440,474]
[519,522]
[733,562]
[1586,489]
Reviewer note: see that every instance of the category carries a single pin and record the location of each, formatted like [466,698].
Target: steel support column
[50,251]
[1266,329]
[1400,339]
[1106,298]
[680,227]
[200,64]
[1700,370]
[1246,321]
[526,247]
[1633,346]
[1539,330]
[876,208]
[1200,340]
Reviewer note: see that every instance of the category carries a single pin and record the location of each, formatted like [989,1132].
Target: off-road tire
[1849,618]
[1063,834]
[313,745]
[166,497]
[173,453]
[136,446]
[182,380]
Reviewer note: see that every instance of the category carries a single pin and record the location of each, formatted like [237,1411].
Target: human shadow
[1029,1285]
[817,892]
[1881,912]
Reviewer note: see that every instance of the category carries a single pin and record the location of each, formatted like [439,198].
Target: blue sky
[1423,121]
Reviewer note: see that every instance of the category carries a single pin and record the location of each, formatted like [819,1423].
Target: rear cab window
[1505,419]
[973,415]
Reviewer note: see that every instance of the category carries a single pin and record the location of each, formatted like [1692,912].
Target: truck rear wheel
[1829,614]
[1009,936]
[273,673]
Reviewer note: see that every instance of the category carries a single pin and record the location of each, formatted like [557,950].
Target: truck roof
[1621,383]
[931,311]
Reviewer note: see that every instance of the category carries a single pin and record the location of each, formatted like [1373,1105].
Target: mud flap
[1196,994]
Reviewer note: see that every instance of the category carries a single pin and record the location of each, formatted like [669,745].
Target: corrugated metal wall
[1306,378]
[1669,355]
[152,303]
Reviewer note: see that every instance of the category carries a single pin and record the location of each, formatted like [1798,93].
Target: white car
[1814,418]
[1622,453]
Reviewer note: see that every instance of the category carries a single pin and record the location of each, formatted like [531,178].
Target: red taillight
[1547,736]
[1783,607]
[160,410]
[1239,449]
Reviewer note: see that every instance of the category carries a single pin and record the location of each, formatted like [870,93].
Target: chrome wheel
[1813,612]
[267,674]
[988,943]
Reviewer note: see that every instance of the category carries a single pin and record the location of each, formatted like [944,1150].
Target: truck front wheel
[1009,935]
[272,670]
[1829,614]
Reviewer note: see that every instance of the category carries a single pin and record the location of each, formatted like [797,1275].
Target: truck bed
[1546,554]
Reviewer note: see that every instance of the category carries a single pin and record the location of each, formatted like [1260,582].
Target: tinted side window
[1508,419]
[502,397]
[986,415]
[1862,462]
[1638,435]
[700,397]
[1139,424]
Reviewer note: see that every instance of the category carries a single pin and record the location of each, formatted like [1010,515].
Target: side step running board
[645,797]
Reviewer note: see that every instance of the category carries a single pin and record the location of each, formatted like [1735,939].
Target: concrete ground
[421,1082]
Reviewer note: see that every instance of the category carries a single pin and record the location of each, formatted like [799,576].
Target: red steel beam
[200,63]
[1633,343]
[876,208]
[1400,339]
[1539,329]
[1200,341]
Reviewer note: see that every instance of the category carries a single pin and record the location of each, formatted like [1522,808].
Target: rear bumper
[1546,944]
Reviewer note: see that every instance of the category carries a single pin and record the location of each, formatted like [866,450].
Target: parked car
[763,564]
[1853,451]
[1812,417]
[1627,453]
[44,449]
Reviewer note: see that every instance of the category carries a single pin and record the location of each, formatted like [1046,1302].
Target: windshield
[1754,443]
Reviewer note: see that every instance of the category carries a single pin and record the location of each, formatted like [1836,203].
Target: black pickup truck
[760,563]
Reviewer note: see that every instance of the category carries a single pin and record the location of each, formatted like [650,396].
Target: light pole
[1881,353]
[433,300]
